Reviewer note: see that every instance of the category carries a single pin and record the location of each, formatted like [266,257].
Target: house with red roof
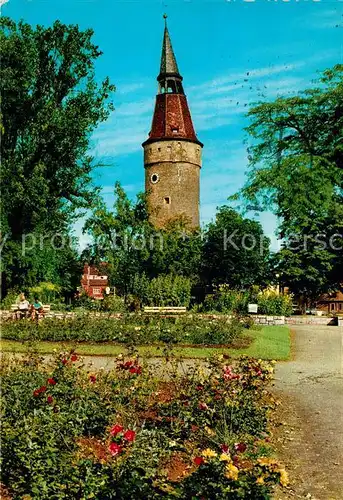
[94,280]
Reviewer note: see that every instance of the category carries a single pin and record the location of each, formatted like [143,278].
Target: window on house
[167,200]
[332,306]
[340,306]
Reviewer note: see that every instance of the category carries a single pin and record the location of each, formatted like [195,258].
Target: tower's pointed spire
[168,60]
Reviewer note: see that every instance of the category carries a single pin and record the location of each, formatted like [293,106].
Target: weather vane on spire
[165,18]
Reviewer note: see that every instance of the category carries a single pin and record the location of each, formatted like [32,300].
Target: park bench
[46,309]
[163,310]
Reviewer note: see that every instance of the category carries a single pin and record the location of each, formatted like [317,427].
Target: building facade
[172,153]
[331,303]
[94,281]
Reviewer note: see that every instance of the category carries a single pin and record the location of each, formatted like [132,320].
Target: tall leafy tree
[125,239]
[50,104]
[296,170]
[236,251]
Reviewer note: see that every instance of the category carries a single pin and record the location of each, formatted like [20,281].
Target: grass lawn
[272,342]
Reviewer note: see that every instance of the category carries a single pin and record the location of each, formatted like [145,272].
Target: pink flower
[199,388]
[115,449]
[225,448]
[116,429]
[203,406]
[229,374]
[49,399]
[198,460]
[129,435]
[92,378]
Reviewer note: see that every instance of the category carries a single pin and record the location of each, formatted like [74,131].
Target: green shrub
[274,304]
[46,291]
[227,301]
[113,303]
[11,298]
[163,291]
[128,329]
[65,430]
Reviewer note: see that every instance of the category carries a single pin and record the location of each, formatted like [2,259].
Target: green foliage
[162,291]
[296,170]
[128,330]
[11,298]
[274,304]
[62,427]
[126,240]
[46,291]
[226,300]
[113,304]
[51,103]
[236,251]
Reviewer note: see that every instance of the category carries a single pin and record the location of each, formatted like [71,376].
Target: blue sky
[230,53]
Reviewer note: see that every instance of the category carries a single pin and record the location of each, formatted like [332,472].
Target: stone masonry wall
[172,180]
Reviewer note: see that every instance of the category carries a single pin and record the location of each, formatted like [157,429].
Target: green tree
[50,105]
[119,237]
[236,251]
[125,239]
[296,170]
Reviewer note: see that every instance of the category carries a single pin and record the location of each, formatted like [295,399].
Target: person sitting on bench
[37,308]
[23,306]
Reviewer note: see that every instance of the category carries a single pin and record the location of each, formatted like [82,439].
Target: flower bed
[129,329]
[68,433]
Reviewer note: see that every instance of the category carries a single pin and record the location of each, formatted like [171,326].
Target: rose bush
[129,329]
[138,431]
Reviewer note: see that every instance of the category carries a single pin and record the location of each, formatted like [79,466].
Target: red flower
[37,392]
[64,361]
[199,388]
[135,369]
[240,447]
[116,429]
[128,364]
[51,381]
[129,435]
[74,357]
[203,406]
[225,448]
[49,399]
[92,378]
[198,460]
[115,449]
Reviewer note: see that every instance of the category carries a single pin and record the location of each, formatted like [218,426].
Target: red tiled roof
[172,119]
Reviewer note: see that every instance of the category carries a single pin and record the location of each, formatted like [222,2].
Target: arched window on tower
[171,86]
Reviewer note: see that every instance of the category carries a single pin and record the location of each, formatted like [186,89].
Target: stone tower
[172,153]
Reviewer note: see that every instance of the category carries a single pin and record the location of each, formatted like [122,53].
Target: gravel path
[310,437]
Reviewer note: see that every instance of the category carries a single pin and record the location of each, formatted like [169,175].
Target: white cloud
[128,88]
[324,19]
